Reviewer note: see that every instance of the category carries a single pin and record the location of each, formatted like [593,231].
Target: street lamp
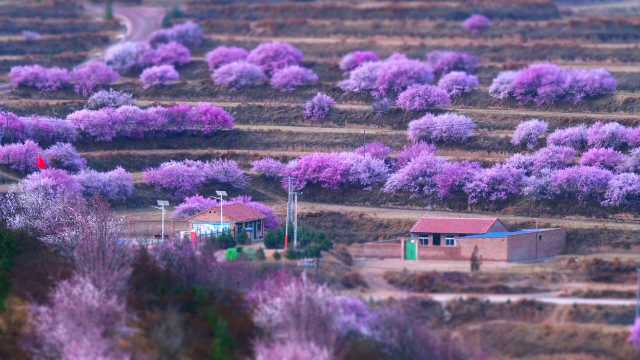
[221,194]
[162,204]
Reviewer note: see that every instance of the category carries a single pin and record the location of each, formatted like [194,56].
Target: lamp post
[162,204]
[221,194]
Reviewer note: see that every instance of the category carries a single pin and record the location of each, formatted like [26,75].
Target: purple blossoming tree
[476,24]
[291,77]
[274,56]
[239,74]
[223,55]
[445,128]
[39,77]
[318,108]
[88,77]
[356,58]
[605,158]
[495,186]
[623,191]
[268,167]
[160,75]
[64,156]
[457,83]
[528,133]
[423,97]
[443,62]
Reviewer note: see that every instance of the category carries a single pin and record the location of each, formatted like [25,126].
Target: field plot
[434,119]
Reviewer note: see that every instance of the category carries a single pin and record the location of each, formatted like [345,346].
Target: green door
[410,250]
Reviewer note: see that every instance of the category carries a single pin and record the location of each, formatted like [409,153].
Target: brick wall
[439,253]
[377,250]
[493,249]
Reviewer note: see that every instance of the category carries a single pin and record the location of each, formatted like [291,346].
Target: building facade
[457,238]
[236,219]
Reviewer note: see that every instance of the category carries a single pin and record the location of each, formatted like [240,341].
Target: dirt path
[397,41]
[414,214]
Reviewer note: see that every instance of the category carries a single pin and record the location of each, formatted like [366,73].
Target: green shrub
[277,256]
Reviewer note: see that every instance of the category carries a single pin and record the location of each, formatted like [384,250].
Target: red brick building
[456,238]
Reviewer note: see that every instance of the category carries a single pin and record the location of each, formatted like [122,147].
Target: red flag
[286,241]
[41,163]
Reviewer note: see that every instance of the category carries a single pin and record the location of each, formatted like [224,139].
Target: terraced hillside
[271,123]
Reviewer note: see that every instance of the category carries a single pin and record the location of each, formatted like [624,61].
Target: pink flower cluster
[42,129]
[274,56]
[88,77]
[130,121]
[21,157]
[188,34]
[268,167]
[477,24]
[115,185]
[356,58]
[445,61]
[457,83]
[171,53]
[423,97]
[387,77]
[223,55]
[445,128]
[159,76]
[64,156]
[602,135]
[184,178]
[376,150]
[547,84]
[291,77]
[318,108]
[39,77]
[528,133]
[334,170]
[238,74]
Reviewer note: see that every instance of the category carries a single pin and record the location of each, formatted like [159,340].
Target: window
[424,240]
[450,241]
[436,240]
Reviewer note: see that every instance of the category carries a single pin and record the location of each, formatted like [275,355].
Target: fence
[146,230]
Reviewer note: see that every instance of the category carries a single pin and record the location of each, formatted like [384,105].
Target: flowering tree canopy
[319,107]
[605,158]
[64,156]
[584,184]
[356,58]
[376,150]
[20,157]
[238,75]
[86,78]
[546,84]
[457,83]
[528,133]
[445,128]
[171,53]
[495,185]
[39,77]
[332,170]
[423,97]
[223,55]
[127,56]
[188,34]
[291,77]
[115,185]
[268,167]
[184,178]
[574,137]
[159,75]
[444,61]
[274,56]
[477,24]
[109,98]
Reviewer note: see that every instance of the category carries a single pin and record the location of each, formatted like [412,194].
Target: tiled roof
[453,225]
[237,212]
[502,234]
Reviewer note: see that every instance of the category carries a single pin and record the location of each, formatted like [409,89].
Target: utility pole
[220,194]
[295,220]
[162,204]
[286,224]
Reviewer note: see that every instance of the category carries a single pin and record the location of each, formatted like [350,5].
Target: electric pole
[162,204]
